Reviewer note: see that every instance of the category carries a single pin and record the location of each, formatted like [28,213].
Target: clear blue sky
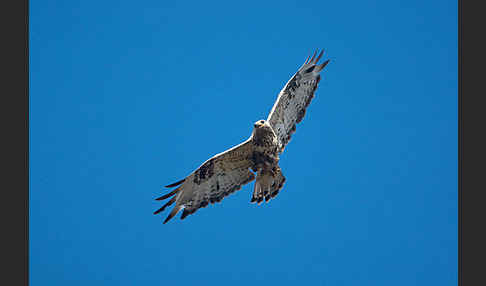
[128,96]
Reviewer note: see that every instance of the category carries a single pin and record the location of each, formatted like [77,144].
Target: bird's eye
[261,121]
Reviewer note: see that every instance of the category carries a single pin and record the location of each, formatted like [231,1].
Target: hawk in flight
[226,172]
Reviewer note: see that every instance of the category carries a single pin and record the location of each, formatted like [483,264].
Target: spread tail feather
[267,185]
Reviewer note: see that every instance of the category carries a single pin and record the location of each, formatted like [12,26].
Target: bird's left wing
[293,99]
[217,178]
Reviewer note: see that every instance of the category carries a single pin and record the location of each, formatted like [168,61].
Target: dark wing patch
[205,171]
[294,98]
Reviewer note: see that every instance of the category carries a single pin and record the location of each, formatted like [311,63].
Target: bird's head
[259,124]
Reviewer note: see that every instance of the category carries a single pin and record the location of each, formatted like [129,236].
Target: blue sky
[126,97]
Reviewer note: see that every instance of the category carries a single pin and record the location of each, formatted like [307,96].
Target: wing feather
[168,195]
[166,205]
[294,98]
[175,184]
[215,179]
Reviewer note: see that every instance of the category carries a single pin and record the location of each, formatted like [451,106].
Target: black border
[459,142]
[472,143]
[14,104]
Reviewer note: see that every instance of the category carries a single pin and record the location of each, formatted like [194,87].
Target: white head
[263,133]
[259,124]
[262,127]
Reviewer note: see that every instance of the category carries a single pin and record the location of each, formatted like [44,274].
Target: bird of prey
[226,172]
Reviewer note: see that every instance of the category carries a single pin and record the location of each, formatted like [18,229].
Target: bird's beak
[255,125]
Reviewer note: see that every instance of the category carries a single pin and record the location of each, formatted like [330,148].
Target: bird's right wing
[293,99]
[217,178]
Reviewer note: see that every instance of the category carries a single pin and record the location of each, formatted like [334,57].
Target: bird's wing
[293,99]
[217,178]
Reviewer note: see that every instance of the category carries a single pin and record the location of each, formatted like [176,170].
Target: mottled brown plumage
[227,172]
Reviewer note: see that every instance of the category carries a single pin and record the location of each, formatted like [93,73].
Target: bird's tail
[268,184]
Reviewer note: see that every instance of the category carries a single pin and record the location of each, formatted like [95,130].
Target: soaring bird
[226,172]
